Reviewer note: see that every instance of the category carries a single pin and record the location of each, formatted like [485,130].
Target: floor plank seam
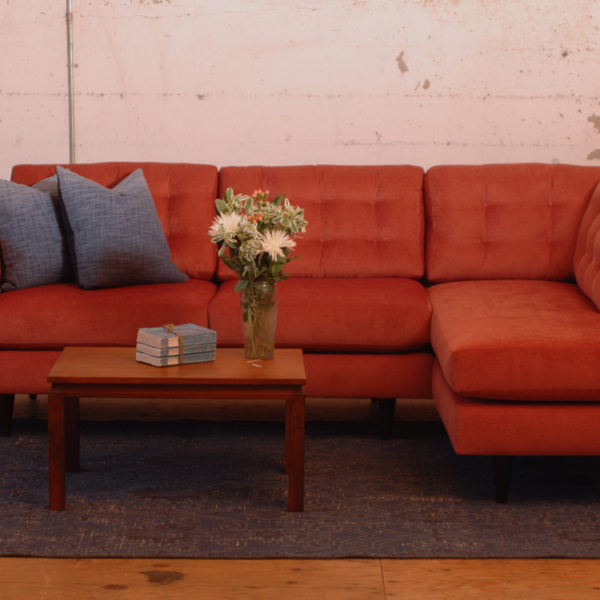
[385,595]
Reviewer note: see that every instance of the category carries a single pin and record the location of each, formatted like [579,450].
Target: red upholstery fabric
[587,252]
[25,371]
[517,340]
[515,221]
[368,375]
[363,221]
[184,195]
[335,315]
[516,428]
[54,316]
[328,375]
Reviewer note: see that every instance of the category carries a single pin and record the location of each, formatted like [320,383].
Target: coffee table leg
[72,434]
[294,451]
[288,419]
[56,450]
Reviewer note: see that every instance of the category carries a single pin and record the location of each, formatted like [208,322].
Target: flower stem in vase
[259,319]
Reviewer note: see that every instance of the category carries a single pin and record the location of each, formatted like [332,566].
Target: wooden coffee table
[83,372]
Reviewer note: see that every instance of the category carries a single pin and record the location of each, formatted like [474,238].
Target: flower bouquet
[255,239]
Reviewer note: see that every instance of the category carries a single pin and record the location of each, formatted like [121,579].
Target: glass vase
[259,319]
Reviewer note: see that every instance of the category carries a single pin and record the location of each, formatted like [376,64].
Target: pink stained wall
[288,82]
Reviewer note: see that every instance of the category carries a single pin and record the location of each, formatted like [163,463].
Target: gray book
[174,350]
[166,361]
[190,333]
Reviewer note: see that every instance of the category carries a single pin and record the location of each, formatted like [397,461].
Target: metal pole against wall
[71,92]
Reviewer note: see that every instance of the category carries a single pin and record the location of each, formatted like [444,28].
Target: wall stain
[426,84]
[163,577]
[595,119]
[401,64]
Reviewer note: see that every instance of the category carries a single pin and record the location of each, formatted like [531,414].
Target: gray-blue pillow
[32,246]
[114,235]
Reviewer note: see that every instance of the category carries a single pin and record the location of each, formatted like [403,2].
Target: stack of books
[175,344]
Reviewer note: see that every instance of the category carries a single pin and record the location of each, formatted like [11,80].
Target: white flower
[275,241]
[224,227]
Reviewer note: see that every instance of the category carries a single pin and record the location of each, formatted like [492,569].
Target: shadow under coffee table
[83,372]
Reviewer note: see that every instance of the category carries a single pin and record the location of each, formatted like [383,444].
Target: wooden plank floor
[100,579]
[364,579]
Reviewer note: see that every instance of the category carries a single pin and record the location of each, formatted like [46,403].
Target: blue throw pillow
[114,235]
[32,246]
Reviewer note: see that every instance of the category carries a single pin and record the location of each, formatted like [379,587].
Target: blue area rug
[191,489]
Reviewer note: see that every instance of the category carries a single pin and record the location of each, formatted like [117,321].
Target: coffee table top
[113,365]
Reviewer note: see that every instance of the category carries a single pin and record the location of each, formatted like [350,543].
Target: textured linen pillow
[33,250]
[114,235]
[586,260]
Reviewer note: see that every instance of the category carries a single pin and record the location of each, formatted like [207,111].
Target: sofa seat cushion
[336,315]
[517,340]
[57,315]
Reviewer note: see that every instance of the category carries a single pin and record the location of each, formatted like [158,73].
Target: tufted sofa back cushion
[587,252]
[184,195]
[504,221]
[363,221]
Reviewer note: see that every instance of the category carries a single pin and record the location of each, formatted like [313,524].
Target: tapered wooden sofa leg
[387,408]
[502,471]
[7,402]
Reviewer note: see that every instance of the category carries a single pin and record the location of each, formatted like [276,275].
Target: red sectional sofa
[477,285]
[354,303]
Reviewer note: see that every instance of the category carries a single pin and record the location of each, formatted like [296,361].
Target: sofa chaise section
[517,343]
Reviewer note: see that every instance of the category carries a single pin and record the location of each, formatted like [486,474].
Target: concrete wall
[289,81]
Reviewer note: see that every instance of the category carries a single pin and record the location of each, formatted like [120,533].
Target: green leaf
[259,272]
[241,284]
[279,200]
[228,194]
[221,205]
[232,264]
[222,250]
[248,204]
